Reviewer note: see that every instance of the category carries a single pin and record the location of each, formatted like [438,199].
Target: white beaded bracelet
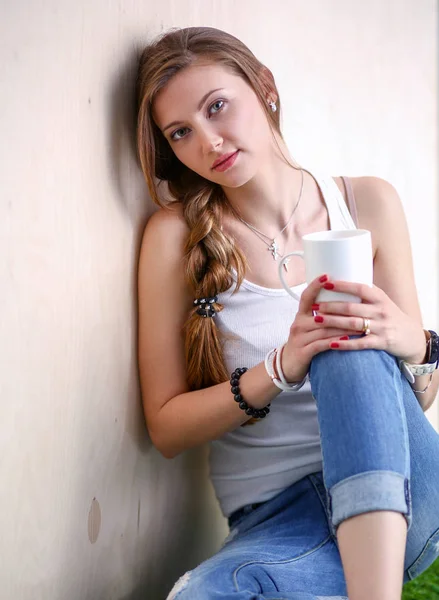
[271,356]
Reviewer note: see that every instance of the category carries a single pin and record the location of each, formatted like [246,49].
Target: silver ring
[314,313]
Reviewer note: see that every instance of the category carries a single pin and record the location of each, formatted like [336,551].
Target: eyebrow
[202,101]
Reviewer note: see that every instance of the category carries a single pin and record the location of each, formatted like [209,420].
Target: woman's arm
[177,418]
[380,211]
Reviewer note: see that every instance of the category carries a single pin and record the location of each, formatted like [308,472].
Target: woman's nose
[210,140]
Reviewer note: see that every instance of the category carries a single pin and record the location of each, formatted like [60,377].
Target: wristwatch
[432,362]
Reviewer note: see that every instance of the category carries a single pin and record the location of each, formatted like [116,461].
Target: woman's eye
[174,134]
[218,103]
[214,108]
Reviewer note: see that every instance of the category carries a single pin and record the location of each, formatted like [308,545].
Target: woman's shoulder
[371,183]
[372,195]
[171,215]
[162,253]
[164,236]
[166,228]
[378,206]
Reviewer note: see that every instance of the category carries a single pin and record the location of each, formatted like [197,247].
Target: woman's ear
[268,85]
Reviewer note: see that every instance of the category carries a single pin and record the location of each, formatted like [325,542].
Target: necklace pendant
[274,249]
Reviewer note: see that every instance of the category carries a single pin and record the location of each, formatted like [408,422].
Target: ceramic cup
[343,255]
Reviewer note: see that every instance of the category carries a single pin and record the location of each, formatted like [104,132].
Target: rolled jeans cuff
[368,492]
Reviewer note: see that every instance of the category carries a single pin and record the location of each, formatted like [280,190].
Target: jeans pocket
[427,557]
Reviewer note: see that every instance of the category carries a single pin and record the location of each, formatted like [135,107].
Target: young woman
[320,453]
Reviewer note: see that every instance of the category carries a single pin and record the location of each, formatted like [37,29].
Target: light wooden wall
[89,510]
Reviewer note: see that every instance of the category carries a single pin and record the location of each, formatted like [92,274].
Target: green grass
[424,587]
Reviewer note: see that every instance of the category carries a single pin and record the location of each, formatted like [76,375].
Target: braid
[209,254]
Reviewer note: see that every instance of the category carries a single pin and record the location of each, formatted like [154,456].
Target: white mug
[343,255]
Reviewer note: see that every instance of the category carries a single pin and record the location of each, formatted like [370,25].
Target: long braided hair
[209,253]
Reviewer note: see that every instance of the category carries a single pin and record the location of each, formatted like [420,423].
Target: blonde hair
[209,253]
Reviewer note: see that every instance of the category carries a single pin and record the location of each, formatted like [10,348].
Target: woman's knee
[342,364]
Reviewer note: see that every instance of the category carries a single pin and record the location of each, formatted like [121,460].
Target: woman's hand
[308,337]
[391,329]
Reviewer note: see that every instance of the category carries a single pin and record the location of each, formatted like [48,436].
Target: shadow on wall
[181,523]
[184,525]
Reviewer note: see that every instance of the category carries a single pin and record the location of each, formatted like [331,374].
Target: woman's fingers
[313,331]
[326,334]
[352,323]
[369,294]
[309,295]
[352,309]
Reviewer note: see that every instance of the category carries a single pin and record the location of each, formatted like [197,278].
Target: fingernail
[335,345]
[345,337]
[318,319]
[323,278]
[329,286]
[315,307]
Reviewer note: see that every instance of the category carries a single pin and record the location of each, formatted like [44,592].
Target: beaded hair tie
[206,308]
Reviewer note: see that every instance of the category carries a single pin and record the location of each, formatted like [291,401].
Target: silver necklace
[273,247]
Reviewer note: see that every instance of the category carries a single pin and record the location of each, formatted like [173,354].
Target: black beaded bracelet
[258,413]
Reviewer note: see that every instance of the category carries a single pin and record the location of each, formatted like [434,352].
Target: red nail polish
[318,319]
[329,286]
[345,337]
[315,307]
[335,345]
[323,278]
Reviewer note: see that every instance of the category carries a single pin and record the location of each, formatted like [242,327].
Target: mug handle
[281,276]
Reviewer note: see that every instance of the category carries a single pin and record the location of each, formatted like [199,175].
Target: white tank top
[254,463]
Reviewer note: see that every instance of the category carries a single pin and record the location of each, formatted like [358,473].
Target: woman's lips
[226,164]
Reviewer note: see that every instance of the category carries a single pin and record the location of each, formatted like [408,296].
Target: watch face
[434,347]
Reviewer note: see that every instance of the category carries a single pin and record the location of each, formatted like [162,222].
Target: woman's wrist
[275,371]
[289,375]
[421,356]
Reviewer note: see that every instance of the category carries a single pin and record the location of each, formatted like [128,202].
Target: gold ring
[366,326]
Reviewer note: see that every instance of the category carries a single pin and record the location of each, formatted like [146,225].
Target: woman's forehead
[185,90]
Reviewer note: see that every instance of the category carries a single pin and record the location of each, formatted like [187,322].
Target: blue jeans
[380,452]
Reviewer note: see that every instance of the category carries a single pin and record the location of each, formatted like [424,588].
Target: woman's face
[206,112]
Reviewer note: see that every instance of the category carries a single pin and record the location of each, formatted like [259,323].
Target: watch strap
[410,371]
[432,359]
[433,347]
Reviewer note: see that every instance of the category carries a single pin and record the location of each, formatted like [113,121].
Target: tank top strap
[350,198]
[338,211]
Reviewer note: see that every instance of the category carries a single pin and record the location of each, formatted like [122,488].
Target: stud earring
[273,106]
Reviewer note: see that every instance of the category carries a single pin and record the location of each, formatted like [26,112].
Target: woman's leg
[282,550]
[422,547]
[406,429]
[361,397]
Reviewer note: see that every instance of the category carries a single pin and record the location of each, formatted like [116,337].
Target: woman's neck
[268,200]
